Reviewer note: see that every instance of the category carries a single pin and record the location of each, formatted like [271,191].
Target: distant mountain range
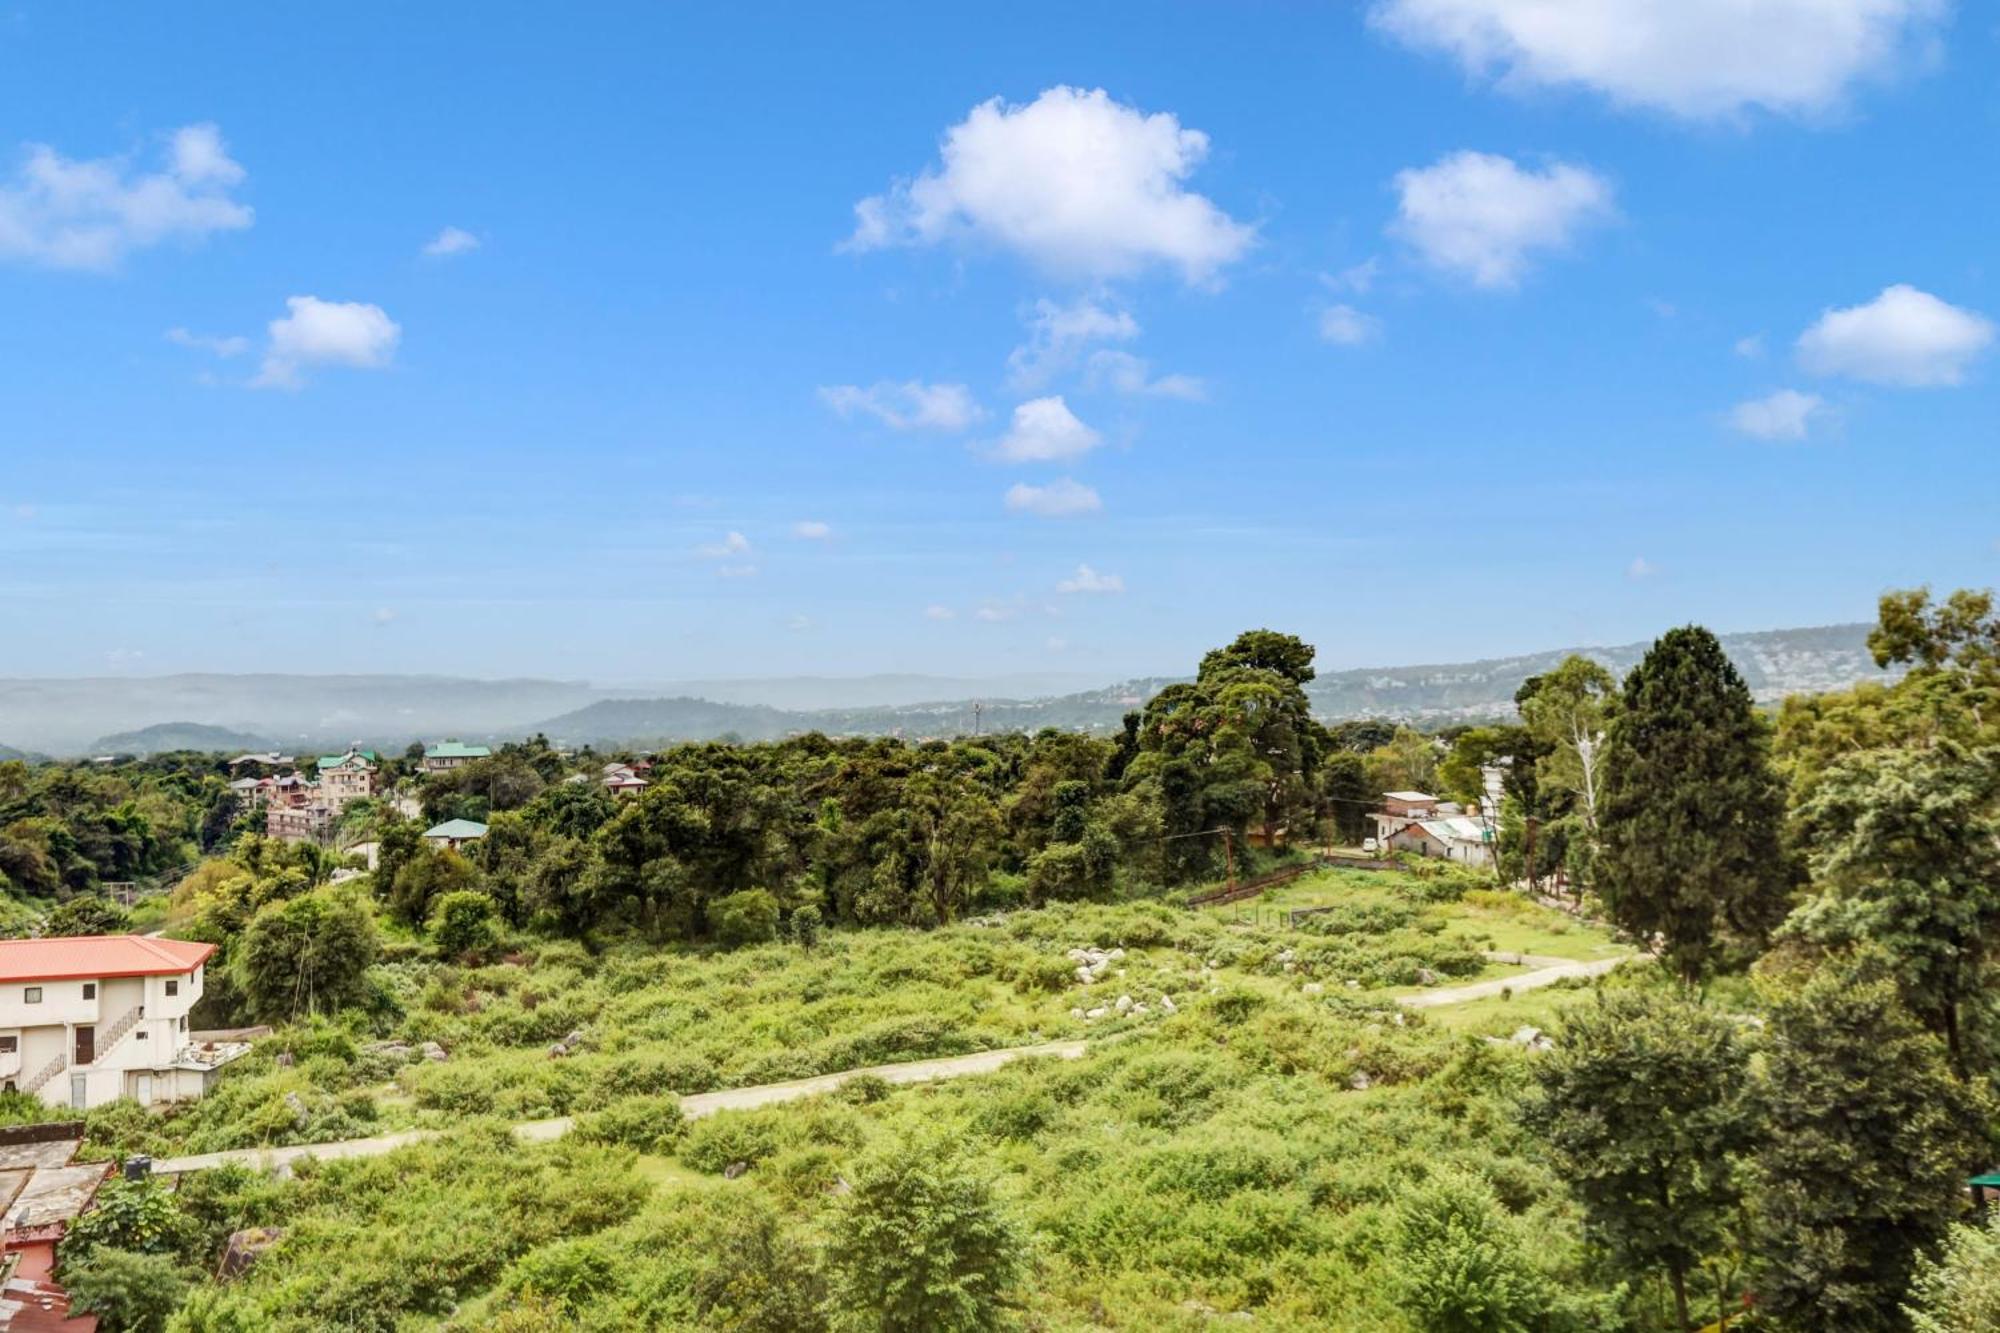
[297,713]
[1774,663]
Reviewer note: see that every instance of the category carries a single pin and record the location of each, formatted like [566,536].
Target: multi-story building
[86,1020]
[346,777]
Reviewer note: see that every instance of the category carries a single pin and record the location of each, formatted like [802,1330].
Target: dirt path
[693,1107]
[1554,970]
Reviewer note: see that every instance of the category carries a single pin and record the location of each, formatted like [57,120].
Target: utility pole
[978,708]
[1229,855]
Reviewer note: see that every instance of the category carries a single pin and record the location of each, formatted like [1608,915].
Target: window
[10,1045]
[184,1022]
[140,1035]
[174,986]
[89,990]
[31,995]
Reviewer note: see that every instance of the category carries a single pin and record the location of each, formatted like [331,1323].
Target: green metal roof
[336,760]
[455,750]
[1991,1180]
[457,828]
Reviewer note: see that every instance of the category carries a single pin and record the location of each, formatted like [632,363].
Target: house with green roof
[346,777]
[454,833]
[447,755]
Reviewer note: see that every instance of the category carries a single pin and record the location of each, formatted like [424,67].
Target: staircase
[48,1071]
[112,1035]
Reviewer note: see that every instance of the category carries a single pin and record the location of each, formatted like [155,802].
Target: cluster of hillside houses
[301,809]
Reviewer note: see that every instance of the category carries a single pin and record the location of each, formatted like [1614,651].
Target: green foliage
[305,955]
[1643,1104]
[462,923]
[87,916]
[1869,1139]
[429,875]
[749,917]
[1692,809]
[129,1292]
[806,925]
[1462,1266]
[1900,843]
[760,1276]
[139,1216]
[922,1246]
[1959,1292]
[648,1122]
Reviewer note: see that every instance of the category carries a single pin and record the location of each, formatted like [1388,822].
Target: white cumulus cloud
[67,213]
[451,241]
[1348,327]
[1087,579]
[1904,336]
[812,530]
[1059,499]
[1641,568]
[1482,215]
[1074,181]
[1784,415]
[326,333]
[1058,334]
[911,405]
[1691,58]
[1045,430]
[936,612]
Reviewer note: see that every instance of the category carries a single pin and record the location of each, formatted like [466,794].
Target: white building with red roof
[88,1019]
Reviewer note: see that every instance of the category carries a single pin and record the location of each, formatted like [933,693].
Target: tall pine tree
[1692,809]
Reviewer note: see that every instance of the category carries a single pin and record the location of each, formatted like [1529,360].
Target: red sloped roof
[87,957]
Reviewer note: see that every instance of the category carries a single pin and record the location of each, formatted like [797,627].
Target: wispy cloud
[451,241]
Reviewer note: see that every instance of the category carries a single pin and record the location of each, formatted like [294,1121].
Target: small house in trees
[447,755]
[454,834]
[623,780]
[1414,821]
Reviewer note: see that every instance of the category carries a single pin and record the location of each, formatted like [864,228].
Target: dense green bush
[462,923]
[749,917]
[128,1292]
[646,1122]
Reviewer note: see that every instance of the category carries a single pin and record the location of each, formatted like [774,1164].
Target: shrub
[1960,1291]
[1462,1266]
[462,923]
[127,1291]
[759,1277]
[650,1124]
[921,1246]
[571,1273]
[136,1215]
[806,923]
[711,1145]
[87,916]
[749,917]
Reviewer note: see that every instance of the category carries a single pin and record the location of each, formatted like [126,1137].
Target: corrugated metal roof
[1407,796]
[89,957]
[457,828]
[455,750]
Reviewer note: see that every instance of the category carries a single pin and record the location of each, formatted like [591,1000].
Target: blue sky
[1427,329]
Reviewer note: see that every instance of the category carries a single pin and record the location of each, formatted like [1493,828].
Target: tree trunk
[1678,1279]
